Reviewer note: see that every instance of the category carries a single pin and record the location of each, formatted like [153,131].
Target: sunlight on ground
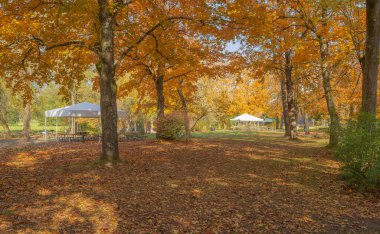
[75,209]
[177,187]
[172,184]
[28,159]
[22,160]
[217,181]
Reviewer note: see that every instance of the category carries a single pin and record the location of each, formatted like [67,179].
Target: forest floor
[222,182]
[19,142]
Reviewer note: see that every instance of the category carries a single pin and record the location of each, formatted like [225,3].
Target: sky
[233,46]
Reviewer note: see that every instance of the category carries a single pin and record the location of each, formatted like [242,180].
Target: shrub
[170,127]
[359,151]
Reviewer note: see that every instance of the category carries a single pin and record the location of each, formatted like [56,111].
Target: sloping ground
[202,186]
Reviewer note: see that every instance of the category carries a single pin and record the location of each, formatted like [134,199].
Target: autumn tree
[27,116]
[371,58]
[3,114]
[317,17]
[274,50]
[106,32]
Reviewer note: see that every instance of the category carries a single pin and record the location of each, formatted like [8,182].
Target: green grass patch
[237,135]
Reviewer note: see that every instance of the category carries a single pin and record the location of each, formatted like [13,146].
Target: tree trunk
[26,128]
[159,82]
[160,96]
[351,111]
[73,101]
[285,115]
[124,126]
[306,125]
[132,126]
[371,59]
[140,127]
[184,111]
[334,118]
[326,80]
[148,127]
[277,122]
[3,116]
[4,124]
[292,110]
[108,107]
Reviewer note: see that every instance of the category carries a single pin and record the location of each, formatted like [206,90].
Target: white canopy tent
[247,118]
[80,110]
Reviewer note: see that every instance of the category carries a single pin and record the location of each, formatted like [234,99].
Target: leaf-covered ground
[230,184]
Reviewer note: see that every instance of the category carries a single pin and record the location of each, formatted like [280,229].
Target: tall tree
[371,58]
[105,32]
[184,108]
[284,101]
[26,126]
[3,115]
[316,17]
[106,69]
[291,103]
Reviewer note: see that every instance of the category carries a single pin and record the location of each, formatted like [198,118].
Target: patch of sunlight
[151,147]
[330,163]
[307,167]
[255,157]
[292,172]
[73,209]
[181,220]
[100,214]
[217,181]
[172,184]
[279,160]
[197,192]
[22,160]
[303,159]
[252,175]
[44,192]
[280,181]
[305,219]
[4,225]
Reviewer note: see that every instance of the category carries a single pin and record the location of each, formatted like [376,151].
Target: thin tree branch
[178,76]
[146,34]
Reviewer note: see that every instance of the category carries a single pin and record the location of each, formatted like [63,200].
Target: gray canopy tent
[80,110]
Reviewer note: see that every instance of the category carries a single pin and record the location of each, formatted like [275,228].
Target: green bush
[170,127]
[359,151]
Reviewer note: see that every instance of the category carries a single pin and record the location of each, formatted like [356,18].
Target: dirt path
[12,143]
[200,186]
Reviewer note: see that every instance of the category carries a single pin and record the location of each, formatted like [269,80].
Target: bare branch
[44,47]
[157,50]
[22,63]
[178,76]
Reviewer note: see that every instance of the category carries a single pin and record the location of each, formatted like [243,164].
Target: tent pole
[45,130]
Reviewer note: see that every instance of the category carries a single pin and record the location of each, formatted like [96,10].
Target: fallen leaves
[195,186]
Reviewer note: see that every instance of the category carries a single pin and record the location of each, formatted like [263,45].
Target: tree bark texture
[326,80]
[184,111]
[285,115]
[292,110]
[26,127]
[160,96]
[110,148]
[3,117]
[371,58]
